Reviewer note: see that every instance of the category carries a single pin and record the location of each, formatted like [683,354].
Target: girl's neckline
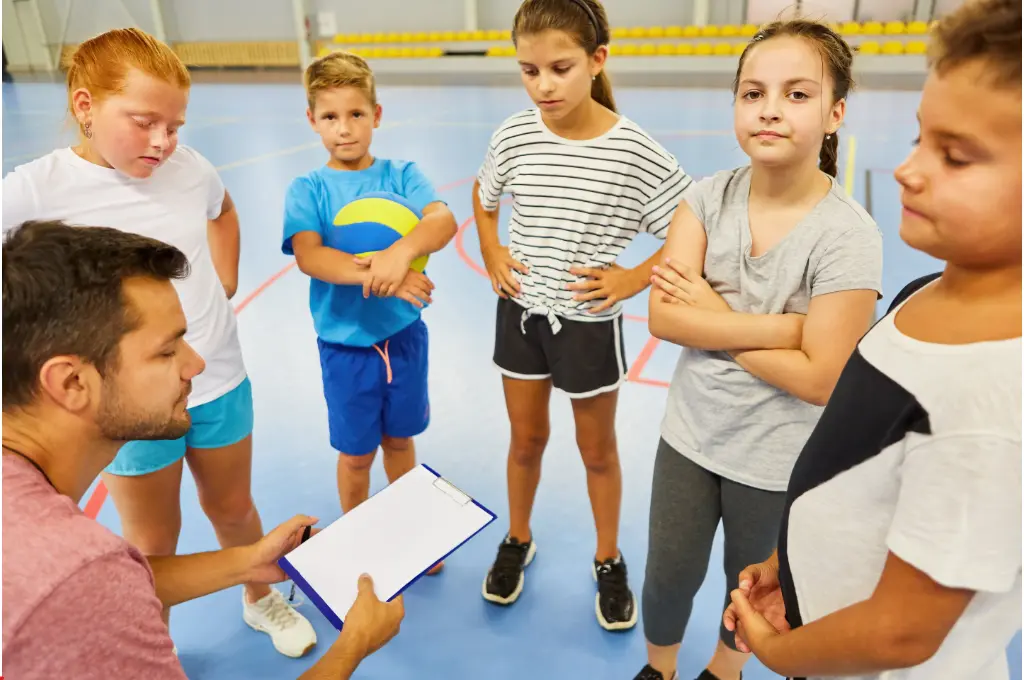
[577,142]
[801,223]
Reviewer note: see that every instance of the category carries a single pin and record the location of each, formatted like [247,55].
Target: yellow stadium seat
[406,53]
[648,50]
[916,47]
[723,49]
[420,52]
[615,49]
[709,31]
[917,28]
[895,28]
[748,30]
[684,49]
[656,32]
[448,36]
[850,28]
[737,48]
[666,50]
[872,28]
[892,47]
[637,32]
[835,28]
[691,32]
[478,35]
[495,51]
[380,37]
[435,52]
[630,50]
[324,51]
[395,37]
[393,52]
[674,32]
[620,32]
[493,35]
[704,49]
[366,38]
[869,47]
[434,36]
[464,36]
[730,31]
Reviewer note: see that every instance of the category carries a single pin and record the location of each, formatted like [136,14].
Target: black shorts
[584,359]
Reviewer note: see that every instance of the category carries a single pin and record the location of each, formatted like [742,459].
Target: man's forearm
[180,578]
[706,329]
[339,663]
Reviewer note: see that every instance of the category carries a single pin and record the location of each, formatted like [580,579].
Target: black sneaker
[648,673]
[616,604]
[708,675]
[504,582]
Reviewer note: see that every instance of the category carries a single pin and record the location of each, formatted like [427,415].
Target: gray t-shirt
[719,415]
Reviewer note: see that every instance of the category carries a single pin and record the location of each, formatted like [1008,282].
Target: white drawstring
[541,310]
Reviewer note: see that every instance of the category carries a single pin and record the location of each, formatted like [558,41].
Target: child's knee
[356,464]
[396,444]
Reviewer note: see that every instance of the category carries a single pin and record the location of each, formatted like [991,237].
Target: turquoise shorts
[222,422]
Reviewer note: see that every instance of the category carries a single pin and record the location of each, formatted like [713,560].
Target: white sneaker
[291,633]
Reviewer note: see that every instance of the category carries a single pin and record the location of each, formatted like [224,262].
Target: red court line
[635,370]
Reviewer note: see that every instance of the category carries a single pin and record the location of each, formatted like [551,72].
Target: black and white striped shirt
[576,203]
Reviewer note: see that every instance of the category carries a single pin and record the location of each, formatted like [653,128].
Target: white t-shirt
[919,453]
[172,205]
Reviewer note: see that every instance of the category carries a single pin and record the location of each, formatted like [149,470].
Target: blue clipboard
[440,484]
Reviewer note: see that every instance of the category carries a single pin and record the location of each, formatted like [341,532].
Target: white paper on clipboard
[396,536]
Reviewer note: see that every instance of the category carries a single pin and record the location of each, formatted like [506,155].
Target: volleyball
[372,223]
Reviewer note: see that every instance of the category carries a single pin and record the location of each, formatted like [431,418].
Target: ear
[836,117]
[81,105]
[69,382]
[378,111]
[311,118]
[598,60]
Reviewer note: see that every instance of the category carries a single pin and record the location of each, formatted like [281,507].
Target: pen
[305,537]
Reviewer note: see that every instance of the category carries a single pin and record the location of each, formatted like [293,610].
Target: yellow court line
[851,165]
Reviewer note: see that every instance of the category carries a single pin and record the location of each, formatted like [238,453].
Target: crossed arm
[802,355]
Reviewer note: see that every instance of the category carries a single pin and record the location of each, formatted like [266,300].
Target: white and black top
[576,203]
[919,453]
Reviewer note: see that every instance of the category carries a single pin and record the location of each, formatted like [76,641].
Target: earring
[87,130]
[828,136]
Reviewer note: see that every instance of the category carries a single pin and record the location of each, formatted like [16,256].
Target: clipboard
[396,536]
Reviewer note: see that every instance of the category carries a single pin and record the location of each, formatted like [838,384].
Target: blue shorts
[377,391]
[222,422]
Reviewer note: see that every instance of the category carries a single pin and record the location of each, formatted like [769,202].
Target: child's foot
[290,632]
[616,604]
[504,582]
[649,673]
[436,569]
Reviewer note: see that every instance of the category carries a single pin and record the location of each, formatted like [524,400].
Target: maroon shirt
[78,601]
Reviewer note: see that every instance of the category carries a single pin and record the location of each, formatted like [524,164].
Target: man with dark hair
[94,356]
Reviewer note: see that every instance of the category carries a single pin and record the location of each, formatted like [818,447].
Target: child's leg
[595,436]
[685,511]
[399,456]
[527,402]
[750,520]
[354,478]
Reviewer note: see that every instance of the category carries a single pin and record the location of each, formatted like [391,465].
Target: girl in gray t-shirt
[771,276]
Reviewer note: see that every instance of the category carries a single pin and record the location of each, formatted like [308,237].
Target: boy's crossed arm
[387,270]
[334,266]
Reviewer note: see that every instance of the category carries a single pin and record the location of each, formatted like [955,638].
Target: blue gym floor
[258,137]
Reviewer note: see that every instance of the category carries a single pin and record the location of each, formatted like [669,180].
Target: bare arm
[180,578]
[326,264]
[225,238]
[834,324]
[497,260]
[711,329]
[901,625]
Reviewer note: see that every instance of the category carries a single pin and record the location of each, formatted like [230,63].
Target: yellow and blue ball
[373,222]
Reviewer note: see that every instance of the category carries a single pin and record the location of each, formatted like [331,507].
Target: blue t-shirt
[340,313]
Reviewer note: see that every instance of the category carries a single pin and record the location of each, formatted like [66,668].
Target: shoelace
[279,612]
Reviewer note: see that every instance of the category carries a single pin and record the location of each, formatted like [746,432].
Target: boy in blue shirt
[366,311]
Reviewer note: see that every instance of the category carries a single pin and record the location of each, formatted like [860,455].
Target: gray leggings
[687,503]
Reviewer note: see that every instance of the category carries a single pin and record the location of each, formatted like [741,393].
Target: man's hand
[611,284]
[681,283]
[387,270]
[262,556]
[370,624]
[760,589]
[500,264]
[415,289]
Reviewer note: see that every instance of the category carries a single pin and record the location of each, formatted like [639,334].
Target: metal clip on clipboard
[453,492]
